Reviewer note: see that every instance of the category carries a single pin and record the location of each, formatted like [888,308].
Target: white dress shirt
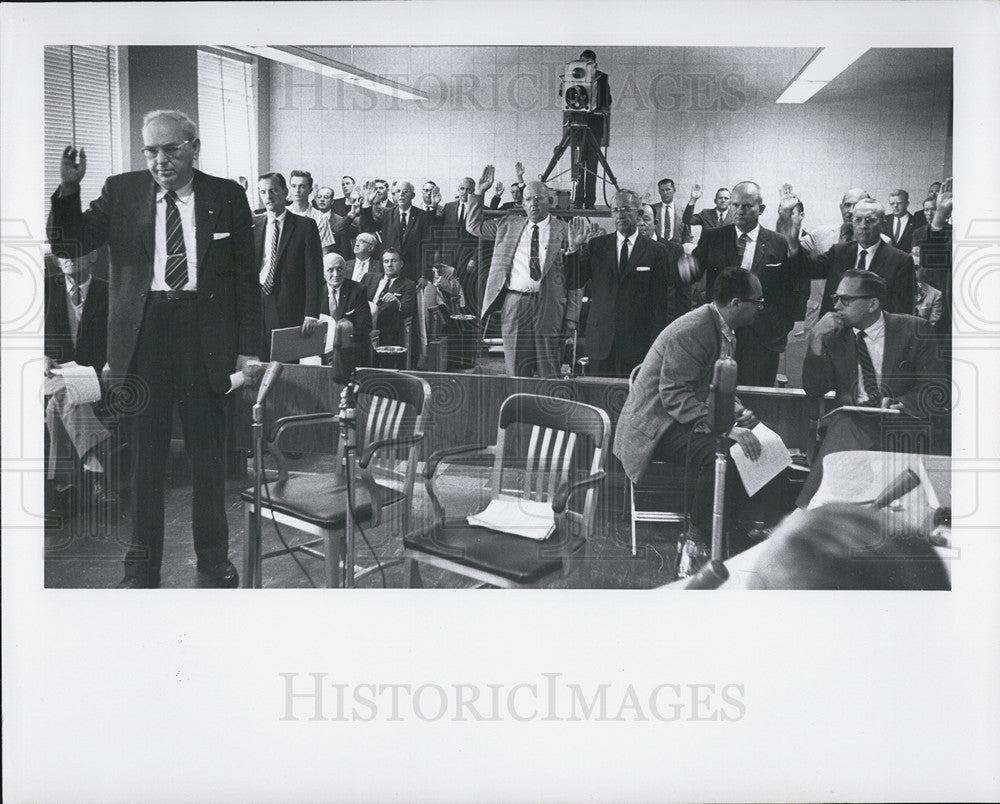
[268,243]
[631,244]
[666,221]
[520,273]
[875,341]
[751,248]
[185,207]
[871,254]
[360,268]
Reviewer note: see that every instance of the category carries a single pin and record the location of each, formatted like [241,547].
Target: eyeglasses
[171,151]
[759,302]
[846,300]
[622,210]
[866,221]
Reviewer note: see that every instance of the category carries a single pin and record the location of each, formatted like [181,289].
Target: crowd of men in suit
[183,311]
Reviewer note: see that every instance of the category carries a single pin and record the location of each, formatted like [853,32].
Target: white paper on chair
[518,517]
[81,383]
[331,331]
[774,458]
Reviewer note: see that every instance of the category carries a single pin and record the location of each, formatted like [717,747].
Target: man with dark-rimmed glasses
[871,358]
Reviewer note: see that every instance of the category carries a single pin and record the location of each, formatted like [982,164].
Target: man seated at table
[394,297]
[664,416]
[877,360]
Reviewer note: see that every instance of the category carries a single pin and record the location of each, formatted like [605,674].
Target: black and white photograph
[424,299]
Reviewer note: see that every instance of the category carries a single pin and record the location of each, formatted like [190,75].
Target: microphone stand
[348,426]
[252,570]
[718,501]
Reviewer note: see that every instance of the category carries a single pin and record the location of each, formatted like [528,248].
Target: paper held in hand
[81,383]
[774,458]
[518,517]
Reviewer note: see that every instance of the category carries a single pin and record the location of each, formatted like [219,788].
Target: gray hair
[188,127]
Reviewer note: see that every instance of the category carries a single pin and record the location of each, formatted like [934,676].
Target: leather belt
[173,295]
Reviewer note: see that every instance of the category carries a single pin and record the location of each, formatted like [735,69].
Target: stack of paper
[532,520]
[774,458]
[81,383]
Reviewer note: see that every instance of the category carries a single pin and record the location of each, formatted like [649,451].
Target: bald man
[527,280]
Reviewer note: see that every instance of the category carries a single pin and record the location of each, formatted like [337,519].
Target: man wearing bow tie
[184,312]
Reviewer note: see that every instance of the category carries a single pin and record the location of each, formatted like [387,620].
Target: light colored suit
[555,305]
[670,388]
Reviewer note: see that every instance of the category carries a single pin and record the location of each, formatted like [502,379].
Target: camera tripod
[577,136]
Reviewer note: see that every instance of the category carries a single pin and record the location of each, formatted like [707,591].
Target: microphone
[722,396]
[902,484]
[270,375]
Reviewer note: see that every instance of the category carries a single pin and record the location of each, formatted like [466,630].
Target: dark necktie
[741,246]
[534,264]
[272,259]
[868,379]
[334,305]
[623,258]
[177,266]
[75,296]
[385,290]
[402,223]
[895,234]
[862,258]
[461,213]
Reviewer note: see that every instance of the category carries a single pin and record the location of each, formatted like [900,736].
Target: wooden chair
[391,410]
[547,451]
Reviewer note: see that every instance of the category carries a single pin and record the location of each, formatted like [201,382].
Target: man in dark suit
[713,218]
[668,219]
[456,246]
[745,243]
[346,300]
[341,205]
[394,296]
[900,226]
[404,228]
[871,358]
[290,258]
[869,252]
[633,283]
[184,313]
[76,329]
[665,414]
[343,230]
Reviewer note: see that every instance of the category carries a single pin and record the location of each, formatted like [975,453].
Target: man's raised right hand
[486,180]
[72,169]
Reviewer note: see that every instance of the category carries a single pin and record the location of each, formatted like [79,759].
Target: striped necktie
[177,265]
[272,259]
[868,378]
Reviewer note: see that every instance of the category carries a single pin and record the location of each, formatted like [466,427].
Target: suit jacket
[352,304]
[92,333]
[893,265]
[681,233]
[391,314]
[670,388]
[298,274]
[929,304]
[344,233]
[783,303]
[708,218]
[556,304]
[414,244]
[911,369]
[905,241]
[339,206]
[627,311]
[228,304]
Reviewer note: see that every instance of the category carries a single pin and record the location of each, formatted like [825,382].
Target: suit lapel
[761,251]
[551,248]
[145,206]
[259,238]
[891,344]
[205,212]
[286,235]
[634,258]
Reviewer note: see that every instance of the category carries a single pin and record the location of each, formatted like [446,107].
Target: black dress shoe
[137,582]
[223,574]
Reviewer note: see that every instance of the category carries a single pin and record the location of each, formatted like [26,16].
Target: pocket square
[772,265]
[642,268]
[220,235]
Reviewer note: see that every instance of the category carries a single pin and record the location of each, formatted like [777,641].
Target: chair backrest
[561,438]
[391,404]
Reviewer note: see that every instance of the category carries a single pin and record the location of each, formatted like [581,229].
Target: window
[83,107]
[227,115]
